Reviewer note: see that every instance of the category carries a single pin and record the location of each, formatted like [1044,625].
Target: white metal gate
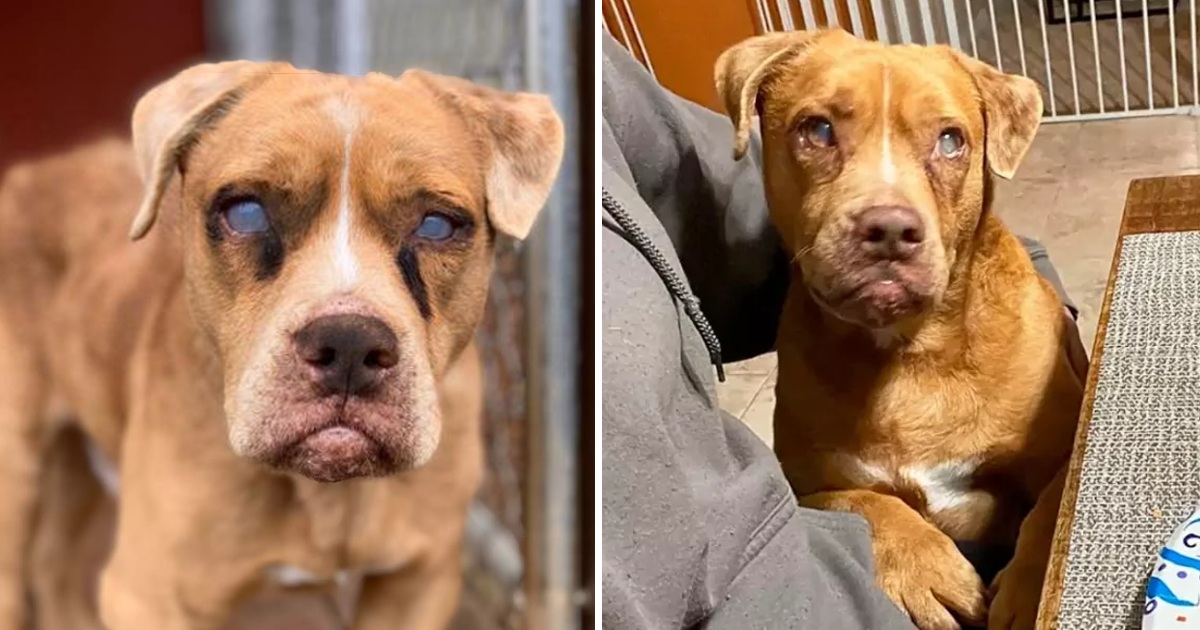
[1093,58]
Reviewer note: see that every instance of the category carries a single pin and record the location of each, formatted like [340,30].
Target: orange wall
[683,38]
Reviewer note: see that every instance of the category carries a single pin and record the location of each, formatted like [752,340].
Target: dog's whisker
[803,250]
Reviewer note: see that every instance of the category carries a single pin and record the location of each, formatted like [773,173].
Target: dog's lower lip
[340,442]
[835,298]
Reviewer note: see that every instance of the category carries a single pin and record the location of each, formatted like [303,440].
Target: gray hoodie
[699,525]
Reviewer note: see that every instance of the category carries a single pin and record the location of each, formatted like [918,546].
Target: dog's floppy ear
[742,69]
[170,118]
[525,140]
[1012,111]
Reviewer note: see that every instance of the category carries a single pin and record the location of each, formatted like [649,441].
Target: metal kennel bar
[1094,59]
[1100,59]
[553,301]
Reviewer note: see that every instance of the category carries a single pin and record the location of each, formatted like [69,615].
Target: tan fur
[955,421]
[174,354]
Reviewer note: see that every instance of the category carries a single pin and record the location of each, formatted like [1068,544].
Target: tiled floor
[1069,194]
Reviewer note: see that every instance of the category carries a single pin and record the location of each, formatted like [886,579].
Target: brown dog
[303,315]
[928,377]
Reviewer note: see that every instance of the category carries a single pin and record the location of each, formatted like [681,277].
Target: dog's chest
[290,576]
[308,566]
[943,485]
[341,533]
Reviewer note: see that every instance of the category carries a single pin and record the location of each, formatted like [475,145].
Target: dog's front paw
[926,575]
[1016,594]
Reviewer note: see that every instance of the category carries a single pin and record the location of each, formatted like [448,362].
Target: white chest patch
[105,471]
[290,576]
[946,485]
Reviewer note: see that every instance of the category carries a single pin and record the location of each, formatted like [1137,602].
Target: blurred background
[73,69]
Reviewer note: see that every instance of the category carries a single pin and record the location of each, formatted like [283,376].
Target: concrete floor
[1069,193]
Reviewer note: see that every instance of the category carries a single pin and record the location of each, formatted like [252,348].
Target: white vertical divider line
[1146,40]
[1195,83]
[831,16]
[638,36]
[995,35]
[971,29]
[1174,63]
[810,16]
[952,24]
[927,23]
[1071,51]
[856,18]
[1096,54]
[1046,54]
[785,14]
[902,22]
[1020,37]
[1121,45]
[881,26]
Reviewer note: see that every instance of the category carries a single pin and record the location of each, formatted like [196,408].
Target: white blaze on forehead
[344,262]
[887,167]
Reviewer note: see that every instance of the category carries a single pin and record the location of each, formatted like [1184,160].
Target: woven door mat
[1141,468]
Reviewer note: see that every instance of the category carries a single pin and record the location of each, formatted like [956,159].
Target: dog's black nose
[890,232]
[347,354]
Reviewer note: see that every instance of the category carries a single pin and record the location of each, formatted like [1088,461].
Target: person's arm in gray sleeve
[1041,262]
[680,157]
[700,528]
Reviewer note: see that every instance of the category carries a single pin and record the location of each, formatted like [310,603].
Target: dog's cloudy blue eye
[951,143]
[435,227]
[247,216]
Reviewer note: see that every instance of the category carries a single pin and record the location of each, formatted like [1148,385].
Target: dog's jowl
[312,260]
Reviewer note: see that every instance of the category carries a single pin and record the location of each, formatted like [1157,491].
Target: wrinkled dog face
[338,236]
[874,158]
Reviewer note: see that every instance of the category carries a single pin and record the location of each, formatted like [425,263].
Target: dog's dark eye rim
[809,125]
